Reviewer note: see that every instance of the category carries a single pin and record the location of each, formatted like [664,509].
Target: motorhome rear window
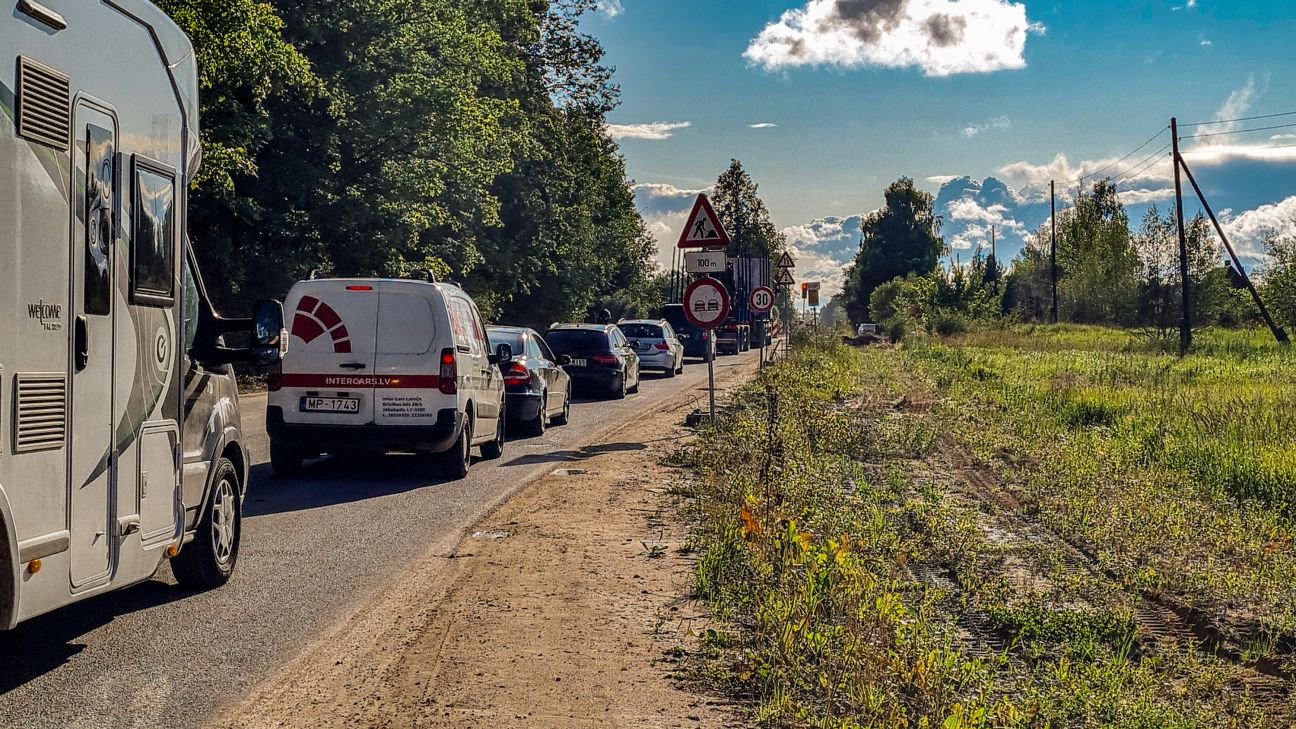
[153,245]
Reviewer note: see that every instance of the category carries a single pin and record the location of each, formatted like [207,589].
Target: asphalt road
[314,550]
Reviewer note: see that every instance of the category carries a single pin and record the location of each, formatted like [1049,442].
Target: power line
[1235,121]
[1136,150]
[1141,167]
[1240,131]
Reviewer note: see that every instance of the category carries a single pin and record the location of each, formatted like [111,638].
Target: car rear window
[512,339]
[577,340]
[642,331]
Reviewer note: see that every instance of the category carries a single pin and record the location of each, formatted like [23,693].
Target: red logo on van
[315,318]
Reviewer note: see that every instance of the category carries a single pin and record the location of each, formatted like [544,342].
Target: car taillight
[706,336]
[663,346]
[606,359]
[517,375]
[274,380]
[449,379]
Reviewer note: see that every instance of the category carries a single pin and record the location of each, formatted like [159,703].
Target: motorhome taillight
[274,380]
[517,375]
[359,288]
[449,379]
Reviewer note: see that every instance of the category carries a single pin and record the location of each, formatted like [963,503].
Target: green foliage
[379,137]
[1279,287]
[901,238]
[812,539]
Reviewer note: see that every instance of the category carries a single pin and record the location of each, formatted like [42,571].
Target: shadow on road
[571,456]
[45,643]
[331,481]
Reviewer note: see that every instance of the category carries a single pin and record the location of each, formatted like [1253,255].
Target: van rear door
[408,361]
[329,371]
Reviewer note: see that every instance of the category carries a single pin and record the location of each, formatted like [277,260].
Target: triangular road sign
[786,261]
[785,278]
[704,229]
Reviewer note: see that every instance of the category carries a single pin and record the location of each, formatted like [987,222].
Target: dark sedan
[601,356]
[537,389]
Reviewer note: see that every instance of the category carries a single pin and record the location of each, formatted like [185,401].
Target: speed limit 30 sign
[761,300]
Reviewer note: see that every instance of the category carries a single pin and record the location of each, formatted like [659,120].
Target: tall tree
[743,213]
[1097,262]
[901,238]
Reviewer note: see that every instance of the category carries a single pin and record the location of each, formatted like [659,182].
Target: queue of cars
[381,365]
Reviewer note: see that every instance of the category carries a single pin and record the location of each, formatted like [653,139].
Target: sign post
[706,305]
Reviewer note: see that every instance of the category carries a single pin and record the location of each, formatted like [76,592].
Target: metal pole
[1185,323]
[711,382]
[1279,333]
[1053,315]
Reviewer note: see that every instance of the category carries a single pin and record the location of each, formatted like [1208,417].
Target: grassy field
[1022,527]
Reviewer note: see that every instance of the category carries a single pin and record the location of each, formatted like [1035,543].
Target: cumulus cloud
[1248,230]
[823,248]
[940,37]
[655,131]
[610,8]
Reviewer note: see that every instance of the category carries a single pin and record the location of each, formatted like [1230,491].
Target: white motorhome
[120,442]
[380,365]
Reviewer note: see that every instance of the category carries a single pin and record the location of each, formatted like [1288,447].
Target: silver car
[656,344]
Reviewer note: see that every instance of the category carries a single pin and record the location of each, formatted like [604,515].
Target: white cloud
[664,209]
[823,248]
[942,179]
[972,130]
[1143,172]
[610,8]
[763,125]
[654,131]
[1247,231]
[940,37]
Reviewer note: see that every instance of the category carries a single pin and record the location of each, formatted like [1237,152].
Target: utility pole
[1053,315]
[1185,325]
[994,256]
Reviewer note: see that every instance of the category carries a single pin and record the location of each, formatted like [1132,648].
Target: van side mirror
[503,355]
[269,336]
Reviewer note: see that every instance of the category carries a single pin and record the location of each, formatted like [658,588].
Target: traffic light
[805,290]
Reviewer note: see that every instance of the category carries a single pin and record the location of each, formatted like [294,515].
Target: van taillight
[274,380]
[449,379]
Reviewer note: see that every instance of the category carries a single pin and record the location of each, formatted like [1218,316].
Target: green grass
[826,492]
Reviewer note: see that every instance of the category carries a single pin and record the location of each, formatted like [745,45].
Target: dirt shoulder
[558,610]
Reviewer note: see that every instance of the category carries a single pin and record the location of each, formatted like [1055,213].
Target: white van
[378,365]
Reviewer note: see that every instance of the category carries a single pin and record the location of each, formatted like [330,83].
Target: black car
[537,390]
[698,343]
[601,356]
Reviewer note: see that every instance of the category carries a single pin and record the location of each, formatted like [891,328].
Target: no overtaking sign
[706,303]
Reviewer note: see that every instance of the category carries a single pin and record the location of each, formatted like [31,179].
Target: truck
[744,329]
[120,438]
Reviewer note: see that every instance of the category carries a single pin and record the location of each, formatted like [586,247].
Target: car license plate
[580,363]
[644,346]
[330,405]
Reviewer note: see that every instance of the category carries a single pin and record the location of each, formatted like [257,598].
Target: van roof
[333,283]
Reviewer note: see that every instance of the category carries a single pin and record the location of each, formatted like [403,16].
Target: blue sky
[982,88]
